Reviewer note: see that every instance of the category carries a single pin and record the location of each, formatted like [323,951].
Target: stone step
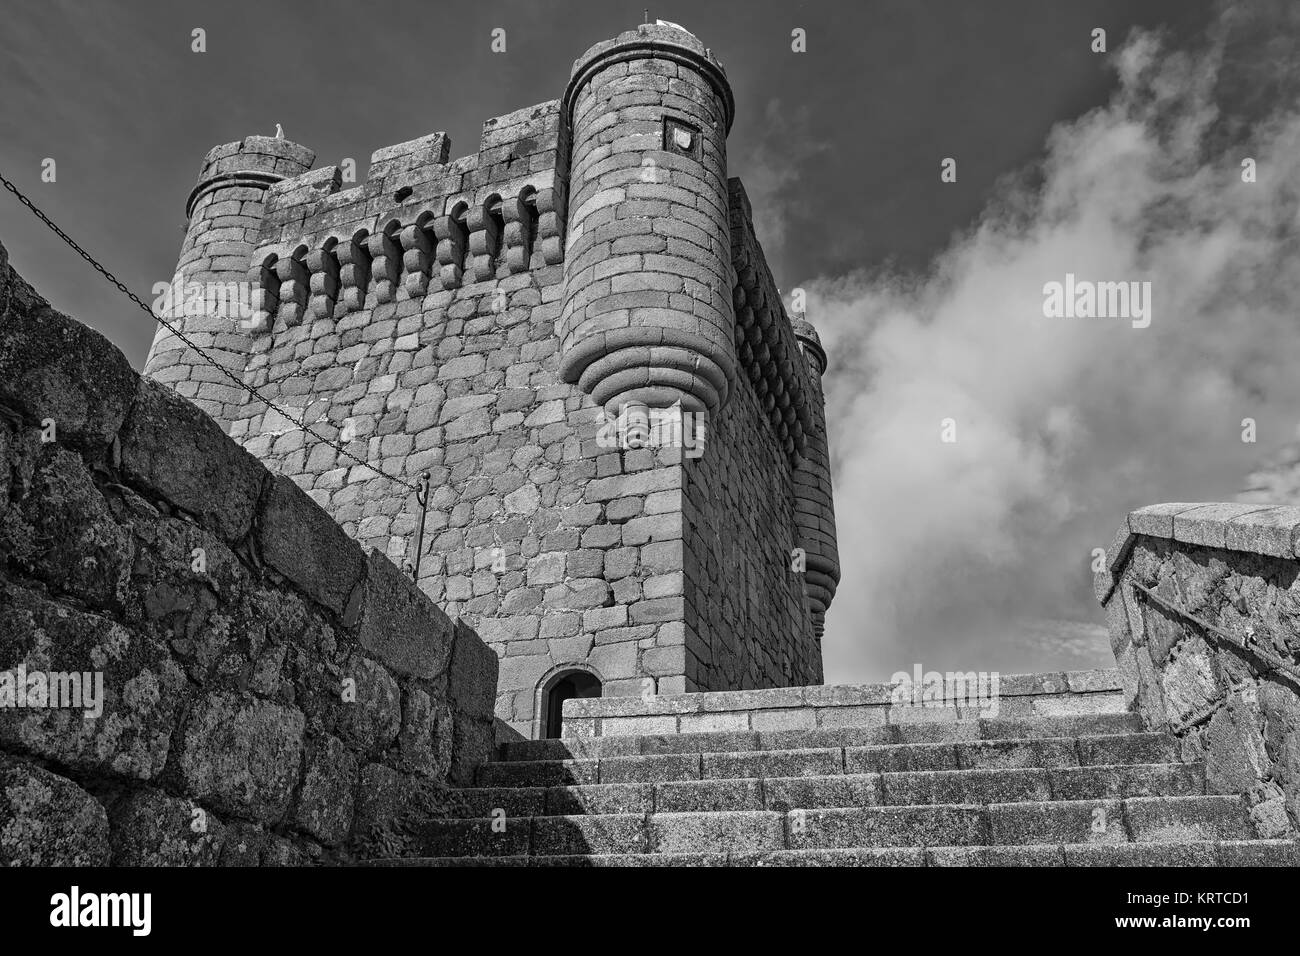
[1219,853]
[1157,819]
[937,731]
[1047,752]
[835,790]
[1185,819]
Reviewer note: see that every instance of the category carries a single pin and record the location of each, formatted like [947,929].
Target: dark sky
[839,146]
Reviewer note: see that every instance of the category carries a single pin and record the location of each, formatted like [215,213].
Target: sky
[1114,166]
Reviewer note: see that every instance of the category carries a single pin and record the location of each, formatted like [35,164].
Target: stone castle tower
[575,334]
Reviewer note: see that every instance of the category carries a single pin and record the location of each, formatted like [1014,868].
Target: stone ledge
[861,697]
[1272,530]
[1202,625]
[170,448]
[304,544]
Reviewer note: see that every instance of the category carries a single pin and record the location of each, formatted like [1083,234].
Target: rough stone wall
[747,621]
[1200,657]
[271,694]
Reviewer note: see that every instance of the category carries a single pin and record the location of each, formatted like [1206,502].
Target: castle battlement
[510,323]
[419,221]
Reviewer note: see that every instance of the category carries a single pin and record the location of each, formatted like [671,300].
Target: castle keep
[575,336]
[522,325]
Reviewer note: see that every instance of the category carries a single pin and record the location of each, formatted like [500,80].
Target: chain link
[180,335]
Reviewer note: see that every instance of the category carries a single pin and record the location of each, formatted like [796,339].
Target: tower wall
[207,300]
[647,318]
[425,320]
[748,623]
[815,504]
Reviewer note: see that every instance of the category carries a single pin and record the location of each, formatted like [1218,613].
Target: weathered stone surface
[175,452]
[245,844]
[126,732]
[1074,821]
[1228,581]
[1141,854]
[53,369]
[473,677]
[601,799]
[64,531]
[1207,525]
[400,626]
[1158,520]
[1280,707]
[150,828]
[46,820]
[237,706]
[1188,682]
[325,803]
[242,755]
[368,713]
[302,543]
[395,812]
[1187,819]
[615,833]
[1270,531]
[887,826]
[739,832]
[428,736]
[1074,789]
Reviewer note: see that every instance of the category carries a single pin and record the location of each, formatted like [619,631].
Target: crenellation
[503,234]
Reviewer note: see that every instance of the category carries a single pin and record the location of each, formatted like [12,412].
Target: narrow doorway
[567,685]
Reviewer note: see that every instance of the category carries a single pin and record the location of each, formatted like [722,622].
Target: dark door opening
[566,686]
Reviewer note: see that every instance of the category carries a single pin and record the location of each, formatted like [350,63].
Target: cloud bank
[975,554]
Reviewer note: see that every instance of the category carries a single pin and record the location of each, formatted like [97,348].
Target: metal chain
[180,335]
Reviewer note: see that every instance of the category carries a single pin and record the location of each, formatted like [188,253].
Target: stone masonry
[270,693]
[1203,604]
[528,325]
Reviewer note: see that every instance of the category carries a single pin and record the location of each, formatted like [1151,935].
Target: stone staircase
[1075,790]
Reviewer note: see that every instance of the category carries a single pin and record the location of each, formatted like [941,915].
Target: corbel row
[769,358]
[434,250]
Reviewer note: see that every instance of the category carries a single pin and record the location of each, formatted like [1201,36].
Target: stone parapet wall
[1203,605]
[271,694]
[1052,694]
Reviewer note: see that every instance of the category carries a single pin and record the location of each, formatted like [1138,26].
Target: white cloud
[1063,425]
